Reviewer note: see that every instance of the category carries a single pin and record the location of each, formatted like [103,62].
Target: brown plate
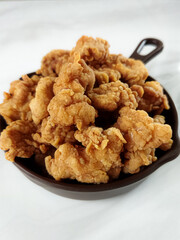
[74,189]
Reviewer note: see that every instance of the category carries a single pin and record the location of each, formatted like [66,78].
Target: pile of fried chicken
[53,114]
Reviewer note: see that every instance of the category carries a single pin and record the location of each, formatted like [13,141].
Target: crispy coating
[138,92]
[44,93]
[153,99]
[91,50]
[16,102]
[16,139]
[165,146]
[113,95]
[92,136]
[132,71]
[91,164]
[105,75]
[140,130]
[135,160]
[77,76]
[67,108]
[104,145]
[54,134]
[53,61]
[72,162]
[143,134]
[159,119]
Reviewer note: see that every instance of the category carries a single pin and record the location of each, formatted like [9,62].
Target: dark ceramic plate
[74,189]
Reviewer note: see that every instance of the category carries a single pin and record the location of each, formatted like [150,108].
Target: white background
[28,30]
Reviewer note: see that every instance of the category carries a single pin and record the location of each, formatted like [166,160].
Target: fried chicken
[91,164]
[16,102]
[138,92]
[17,140]
[159,119]
[110,96]
[140,130]
[105,75]
[53,134]
[135,160]
[44,93]
[53,115]
[67,108]
[103,145]
[76,76]
[70,162]
[143,135]
[132,71]
[153,99]
[91,50]
[53,61]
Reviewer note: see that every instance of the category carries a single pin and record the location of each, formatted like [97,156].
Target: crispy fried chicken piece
[67,108]
[91,50]
[51,63]
[91,164]
[44,93]
[54,134]
[92,136]
[77,76]
[164,146]
[138,92]
[70,162]
[153,99]
[135,160]
[112,95]
[143,134]
[16,139]
[132,71]
[16,102]
[105,75]
[101,144]
[140,130]
[159,119]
